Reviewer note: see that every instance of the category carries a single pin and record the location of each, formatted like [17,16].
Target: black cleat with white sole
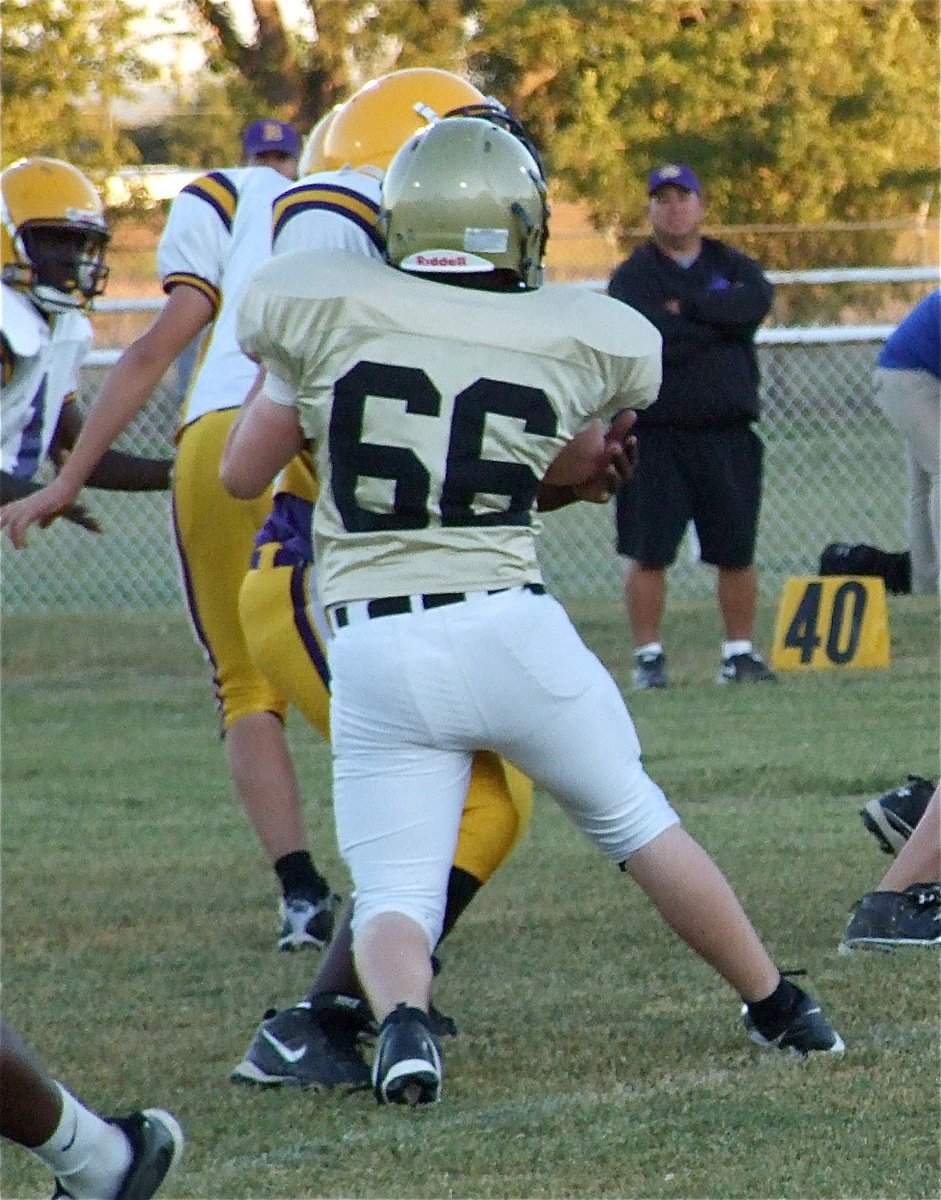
[806,1031]
[314,1044]
[407,1067]
[306,921]
[650,670]
[891,817]
[745,668]
[887,920]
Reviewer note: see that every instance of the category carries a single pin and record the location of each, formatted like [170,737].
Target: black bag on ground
[841,558]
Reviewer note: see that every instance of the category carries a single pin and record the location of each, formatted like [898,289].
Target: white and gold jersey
[434,412]
[223,225]
[41,361]
[218,232]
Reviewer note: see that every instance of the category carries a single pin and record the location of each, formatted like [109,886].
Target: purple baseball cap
[679,174]
[270,136]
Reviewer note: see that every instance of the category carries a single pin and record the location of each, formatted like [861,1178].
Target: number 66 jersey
[434,411]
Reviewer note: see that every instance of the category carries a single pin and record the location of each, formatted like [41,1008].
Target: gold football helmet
[314,157]
[465,196]
[52,233]
[384,113]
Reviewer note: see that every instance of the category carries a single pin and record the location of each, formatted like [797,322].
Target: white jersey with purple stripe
[217,234]
[41,373]
[331,210]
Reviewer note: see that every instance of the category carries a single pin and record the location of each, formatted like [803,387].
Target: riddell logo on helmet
[444,260]
[440,260]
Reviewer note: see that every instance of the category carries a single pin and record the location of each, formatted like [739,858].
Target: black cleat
[313,1044]
[884,920]
[745,668]
[306,921]
[650,670]
[891,817]
[156,1146]
[407,1067]
[807,1030]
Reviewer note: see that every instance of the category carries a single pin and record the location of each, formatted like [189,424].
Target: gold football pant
[214,537]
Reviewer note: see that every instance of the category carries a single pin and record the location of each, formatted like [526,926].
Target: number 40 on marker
[831,621]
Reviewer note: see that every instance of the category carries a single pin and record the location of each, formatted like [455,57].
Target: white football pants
[414,695]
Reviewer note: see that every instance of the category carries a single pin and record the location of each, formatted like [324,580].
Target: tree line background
[796,113]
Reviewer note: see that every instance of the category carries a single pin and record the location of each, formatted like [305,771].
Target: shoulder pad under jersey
[22,324]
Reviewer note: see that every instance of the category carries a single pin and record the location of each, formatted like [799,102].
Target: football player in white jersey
[53,238]
[434,394]
[214,540]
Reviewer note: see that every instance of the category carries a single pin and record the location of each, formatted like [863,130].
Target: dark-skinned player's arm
[593,465]
[115,471]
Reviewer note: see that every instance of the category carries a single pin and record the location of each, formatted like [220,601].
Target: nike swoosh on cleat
[285,1052]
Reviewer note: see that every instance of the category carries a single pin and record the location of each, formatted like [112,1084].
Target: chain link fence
[834,471]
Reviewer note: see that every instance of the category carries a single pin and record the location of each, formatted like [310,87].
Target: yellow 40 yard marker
[831,621]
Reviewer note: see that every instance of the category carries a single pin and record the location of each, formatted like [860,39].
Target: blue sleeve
[915,345]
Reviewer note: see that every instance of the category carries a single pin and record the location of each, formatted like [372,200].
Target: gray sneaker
[650,670]
[884,920]
[156,1146]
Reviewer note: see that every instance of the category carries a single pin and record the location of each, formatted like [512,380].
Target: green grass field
[596,1057]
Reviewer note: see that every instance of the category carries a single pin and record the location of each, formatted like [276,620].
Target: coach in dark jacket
[700,458]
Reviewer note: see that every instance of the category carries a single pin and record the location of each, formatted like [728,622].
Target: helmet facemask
[53,233]
[63,263]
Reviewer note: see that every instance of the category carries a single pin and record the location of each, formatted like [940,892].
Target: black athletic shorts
[709,476]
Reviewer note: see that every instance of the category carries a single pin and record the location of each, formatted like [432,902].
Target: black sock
[299,876]
[462,888]
[771,1015]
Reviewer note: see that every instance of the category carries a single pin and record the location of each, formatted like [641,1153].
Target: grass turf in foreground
[597,1057]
